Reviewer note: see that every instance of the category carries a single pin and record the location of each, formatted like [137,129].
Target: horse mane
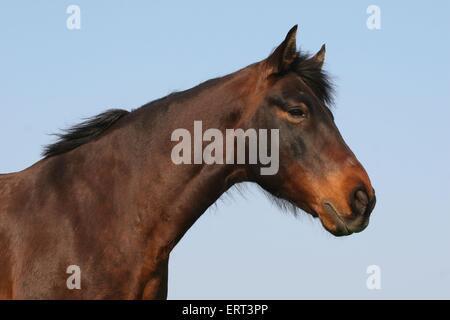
[83,132]
[313,75]
[317,79]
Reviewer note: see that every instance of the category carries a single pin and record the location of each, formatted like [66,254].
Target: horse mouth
[340,226]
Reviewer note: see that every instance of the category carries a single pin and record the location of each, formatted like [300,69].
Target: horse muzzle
[341,224]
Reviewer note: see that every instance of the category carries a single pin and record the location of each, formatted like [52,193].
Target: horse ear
[319,57]
[283,56]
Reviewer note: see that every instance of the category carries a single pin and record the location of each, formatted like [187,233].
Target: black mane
[83,132]
[314,76]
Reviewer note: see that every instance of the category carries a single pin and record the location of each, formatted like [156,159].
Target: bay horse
[106,196]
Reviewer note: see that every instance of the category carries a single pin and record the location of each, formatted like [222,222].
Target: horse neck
[179,194]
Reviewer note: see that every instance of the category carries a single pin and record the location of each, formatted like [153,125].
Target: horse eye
[297,112]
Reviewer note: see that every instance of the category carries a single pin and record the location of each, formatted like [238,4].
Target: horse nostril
[372,203]
[360,202]
[362,197]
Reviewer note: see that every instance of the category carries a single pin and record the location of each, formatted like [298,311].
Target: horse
[106,199]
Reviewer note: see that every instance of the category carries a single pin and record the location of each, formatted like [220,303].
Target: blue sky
[392,107]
